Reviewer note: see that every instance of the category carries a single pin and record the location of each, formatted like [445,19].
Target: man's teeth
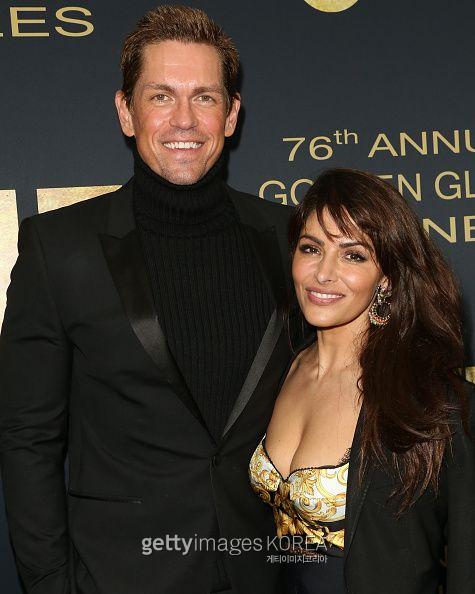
[183,145]
[325,295]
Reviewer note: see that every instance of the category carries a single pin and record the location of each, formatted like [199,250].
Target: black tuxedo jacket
[86,373]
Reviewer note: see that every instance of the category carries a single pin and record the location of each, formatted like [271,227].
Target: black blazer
[86,372]
[387,556]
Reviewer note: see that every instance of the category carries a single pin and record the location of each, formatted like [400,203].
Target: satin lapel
[127,267]
[256,370]
[356,492]
[267,253]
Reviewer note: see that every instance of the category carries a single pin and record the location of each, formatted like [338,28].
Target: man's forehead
[175,62]
[172,52]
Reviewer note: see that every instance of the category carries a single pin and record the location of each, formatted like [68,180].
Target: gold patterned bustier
[310,502]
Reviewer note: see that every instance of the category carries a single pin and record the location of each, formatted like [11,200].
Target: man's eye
[205,99]
[307,248]
[160,97]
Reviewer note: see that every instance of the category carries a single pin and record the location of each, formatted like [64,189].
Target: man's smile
[183,145]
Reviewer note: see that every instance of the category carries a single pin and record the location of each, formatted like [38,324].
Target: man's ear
[232,117]
[123,111]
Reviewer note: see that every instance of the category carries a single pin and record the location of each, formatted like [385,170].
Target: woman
[367,461]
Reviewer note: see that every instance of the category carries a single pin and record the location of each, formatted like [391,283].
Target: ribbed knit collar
[166,207]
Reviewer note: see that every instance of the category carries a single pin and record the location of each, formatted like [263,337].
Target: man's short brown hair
[177,23]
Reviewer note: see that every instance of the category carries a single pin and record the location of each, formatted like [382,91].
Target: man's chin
[183,176]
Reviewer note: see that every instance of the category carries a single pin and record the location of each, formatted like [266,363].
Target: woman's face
[335,278]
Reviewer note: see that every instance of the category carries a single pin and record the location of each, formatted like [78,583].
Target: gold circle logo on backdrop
[331,5]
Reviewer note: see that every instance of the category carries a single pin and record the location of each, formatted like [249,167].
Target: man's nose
[326,269]
[183,116]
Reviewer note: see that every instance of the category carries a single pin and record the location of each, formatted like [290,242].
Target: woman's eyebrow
[312,238]
[347,244]
[343,244]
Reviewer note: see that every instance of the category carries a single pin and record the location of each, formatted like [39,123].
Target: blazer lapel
[356,491]
[124,257]
[256,370]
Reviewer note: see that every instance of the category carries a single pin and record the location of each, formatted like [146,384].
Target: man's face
[179,114]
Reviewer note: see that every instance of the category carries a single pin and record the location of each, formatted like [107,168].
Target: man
[143,338]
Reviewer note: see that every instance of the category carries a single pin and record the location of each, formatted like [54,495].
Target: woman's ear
[385,285]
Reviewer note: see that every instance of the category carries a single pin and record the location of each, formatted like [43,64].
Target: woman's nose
[326,269]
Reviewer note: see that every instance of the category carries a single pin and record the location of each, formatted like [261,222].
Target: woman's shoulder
[469,389]
[303,362]
[296,378]
[463,426]
[465,398]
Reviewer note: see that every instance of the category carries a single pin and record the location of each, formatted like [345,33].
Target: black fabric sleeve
[460,529]
[34,386]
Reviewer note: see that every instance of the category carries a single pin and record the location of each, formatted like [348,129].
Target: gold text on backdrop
[426,143]
[34,21]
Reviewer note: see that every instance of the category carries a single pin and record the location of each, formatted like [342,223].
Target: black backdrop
[382,86]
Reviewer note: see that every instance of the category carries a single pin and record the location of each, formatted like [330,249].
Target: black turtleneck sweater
[211,300]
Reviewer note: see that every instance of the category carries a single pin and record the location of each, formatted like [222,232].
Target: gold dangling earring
[380,311]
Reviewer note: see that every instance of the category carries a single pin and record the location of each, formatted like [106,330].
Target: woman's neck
[337,349]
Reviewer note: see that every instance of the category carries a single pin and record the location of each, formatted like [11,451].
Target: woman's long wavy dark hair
[411,380]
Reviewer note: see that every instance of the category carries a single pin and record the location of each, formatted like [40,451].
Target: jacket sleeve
[460,527]
[34,388]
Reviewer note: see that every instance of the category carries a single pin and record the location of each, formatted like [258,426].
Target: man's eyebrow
[157,86]
[209,89]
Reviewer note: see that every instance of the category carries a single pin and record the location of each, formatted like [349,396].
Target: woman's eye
[306,248]
[355,257]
